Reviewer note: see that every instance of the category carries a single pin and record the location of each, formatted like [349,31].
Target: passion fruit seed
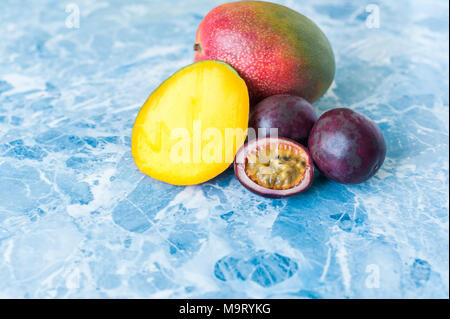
[277,168]
[274,167]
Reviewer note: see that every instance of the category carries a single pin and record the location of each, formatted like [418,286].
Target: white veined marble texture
[78,220]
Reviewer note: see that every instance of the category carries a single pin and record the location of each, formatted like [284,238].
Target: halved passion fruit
[274,167]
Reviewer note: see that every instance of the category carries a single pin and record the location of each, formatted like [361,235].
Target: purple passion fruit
[292,115]
[274,167]
[346,146]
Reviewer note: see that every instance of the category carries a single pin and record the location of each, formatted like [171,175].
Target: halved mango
[190,128]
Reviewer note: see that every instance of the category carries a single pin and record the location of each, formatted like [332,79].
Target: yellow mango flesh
[190,127]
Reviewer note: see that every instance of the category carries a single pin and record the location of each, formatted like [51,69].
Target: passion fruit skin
[346,146]
[292,115]
[240,162]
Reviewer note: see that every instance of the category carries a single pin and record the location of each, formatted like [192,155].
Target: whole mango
[276,50]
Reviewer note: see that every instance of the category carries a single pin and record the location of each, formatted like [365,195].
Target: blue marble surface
[78,220]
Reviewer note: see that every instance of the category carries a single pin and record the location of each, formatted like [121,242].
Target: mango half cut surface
[190,128]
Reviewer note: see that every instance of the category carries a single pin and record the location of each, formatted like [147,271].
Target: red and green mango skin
[275,49]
